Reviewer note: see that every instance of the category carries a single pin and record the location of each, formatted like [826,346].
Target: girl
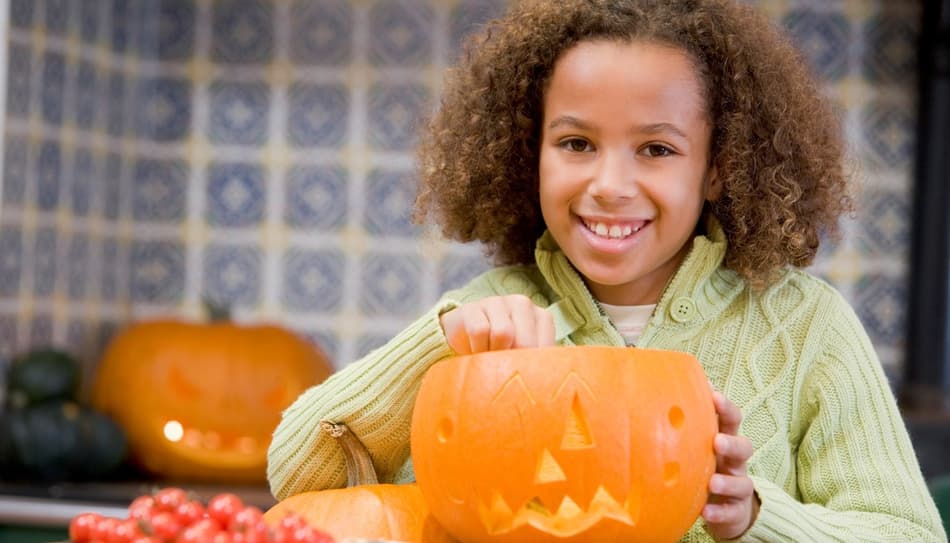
[650,173]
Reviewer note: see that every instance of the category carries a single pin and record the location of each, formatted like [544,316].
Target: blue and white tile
[236,194]
[112,262]
[232,274]
[44,261]
[239,112]
[823,36]
[163,107]
[19,74]
[121,25]
[321,32]
[52,93]
[390,284]
[16,160]
[317,114]
[57,17]
[168,32]
[112,184]
[881,302]
[115,105]
[456,270]
[885,229]
[85,180]
[327,341]
[316,198]
[242,31]
[890,47]
[11,260]
[313,280]
[157,271]
[22,13]
[89,20]
[468,17]
[888,131]
[78,260]
[400,33]
[86,97]
[8,342]
[49,175]
[41,330]
[395,113]
[390,196]
[160,189]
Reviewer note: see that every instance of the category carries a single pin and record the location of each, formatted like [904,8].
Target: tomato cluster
[171,516]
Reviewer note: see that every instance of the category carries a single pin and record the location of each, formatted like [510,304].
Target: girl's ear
[713,184]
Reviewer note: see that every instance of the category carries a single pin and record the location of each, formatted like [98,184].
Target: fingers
[729,415]
[732,453]
[498,322]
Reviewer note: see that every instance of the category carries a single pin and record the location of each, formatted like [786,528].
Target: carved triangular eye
[577,431]
[549,471]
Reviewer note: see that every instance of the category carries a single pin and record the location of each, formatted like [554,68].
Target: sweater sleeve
[373,396]
[858,475]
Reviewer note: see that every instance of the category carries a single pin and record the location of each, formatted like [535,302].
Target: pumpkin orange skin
[565,444]
[377,511]
[221,387]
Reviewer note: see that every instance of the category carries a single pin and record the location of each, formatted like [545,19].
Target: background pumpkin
[565,444]
[200,401]
[365,509]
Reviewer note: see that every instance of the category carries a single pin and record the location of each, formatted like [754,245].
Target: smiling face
[624,164]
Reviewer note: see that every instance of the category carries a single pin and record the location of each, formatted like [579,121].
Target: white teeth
[613,231]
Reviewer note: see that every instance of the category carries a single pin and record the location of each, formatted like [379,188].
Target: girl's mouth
[613,231]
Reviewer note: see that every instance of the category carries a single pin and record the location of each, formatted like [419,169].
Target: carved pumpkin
[565,444]
[365,509]
[200,401]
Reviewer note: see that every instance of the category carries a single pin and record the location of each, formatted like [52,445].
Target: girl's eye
[576,145]
[657,150]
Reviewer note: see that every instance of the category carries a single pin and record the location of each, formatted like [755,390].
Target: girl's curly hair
[775,142]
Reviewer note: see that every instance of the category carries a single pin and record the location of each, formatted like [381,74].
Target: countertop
[55,504]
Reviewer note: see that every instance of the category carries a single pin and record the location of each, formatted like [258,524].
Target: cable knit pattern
[833,460]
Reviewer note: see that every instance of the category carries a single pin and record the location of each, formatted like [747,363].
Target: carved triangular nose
[549,471]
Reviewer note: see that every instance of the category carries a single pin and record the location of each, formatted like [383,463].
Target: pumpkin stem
[359,465]
[216,312]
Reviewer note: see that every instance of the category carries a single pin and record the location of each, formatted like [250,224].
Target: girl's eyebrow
[652,128]
[569,121]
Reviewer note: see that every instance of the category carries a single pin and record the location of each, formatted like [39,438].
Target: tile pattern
[260,152]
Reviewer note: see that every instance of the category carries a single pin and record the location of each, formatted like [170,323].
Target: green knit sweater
[832,462]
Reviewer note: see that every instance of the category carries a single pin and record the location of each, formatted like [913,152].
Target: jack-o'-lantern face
[201,401]
[565,444]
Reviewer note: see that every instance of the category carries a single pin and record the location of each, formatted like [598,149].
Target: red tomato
[142,507]
[222,508]
[127,531]
[168,499]
[247,517]
[104,529]
[81,525]
[202,531]
[190,512]
[166,526]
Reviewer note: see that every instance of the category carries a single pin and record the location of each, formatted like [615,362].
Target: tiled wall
[260,152]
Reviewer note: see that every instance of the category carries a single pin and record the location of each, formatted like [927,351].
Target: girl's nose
[614,178]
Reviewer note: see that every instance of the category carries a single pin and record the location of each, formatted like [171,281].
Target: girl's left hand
[732,505]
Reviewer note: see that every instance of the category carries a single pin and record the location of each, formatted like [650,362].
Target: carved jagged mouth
[567,520]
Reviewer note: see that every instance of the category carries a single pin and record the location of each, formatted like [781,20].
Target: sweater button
[683,310]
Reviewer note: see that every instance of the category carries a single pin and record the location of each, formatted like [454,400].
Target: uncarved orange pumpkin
[565,444]
[365,509]
[199,401]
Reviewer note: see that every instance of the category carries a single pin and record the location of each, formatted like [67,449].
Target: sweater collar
[695,293]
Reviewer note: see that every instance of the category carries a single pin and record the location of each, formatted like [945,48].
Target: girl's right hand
[498,322]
